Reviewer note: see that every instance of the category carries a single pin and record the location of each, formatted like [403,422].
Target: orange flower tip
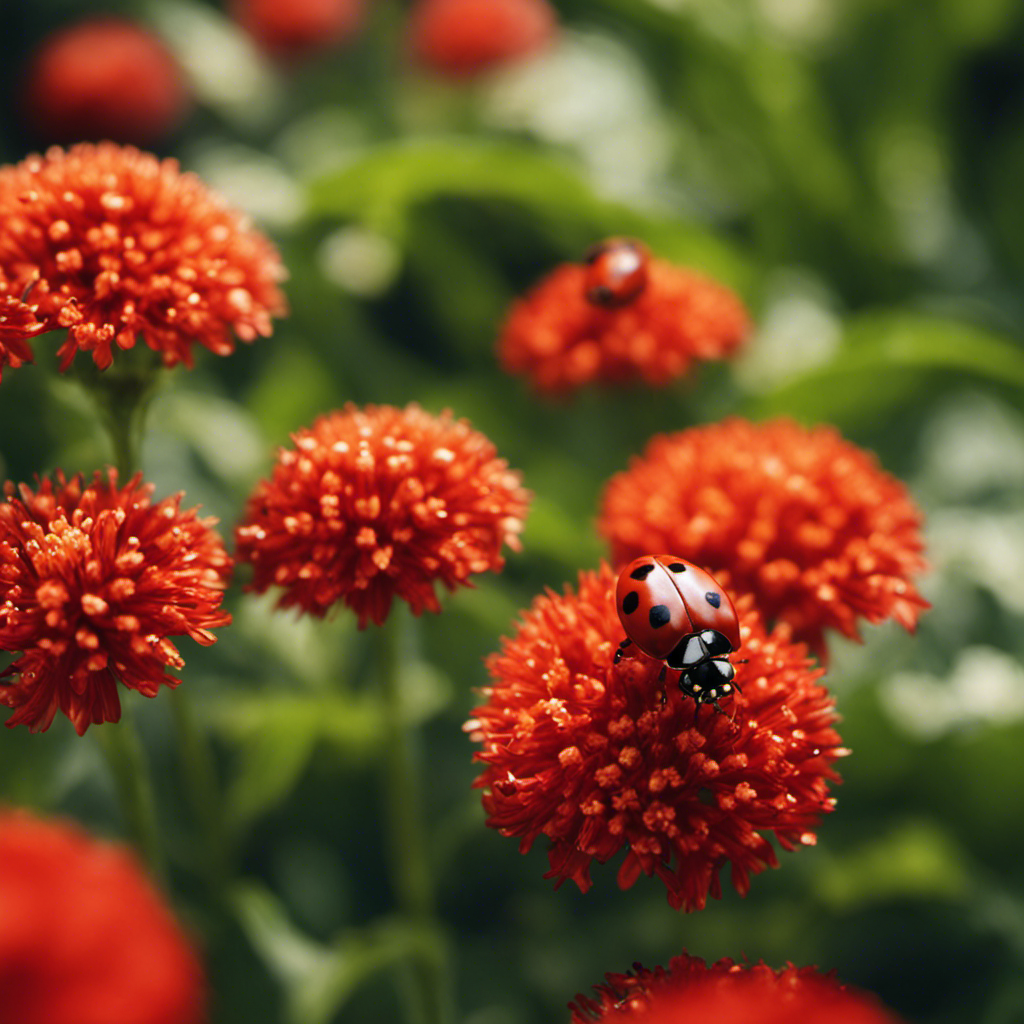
[291,29]
[105,78]
[585,751]
[800,519]
[122,246]
[620,317]
[464,38]
[690,990]
[119,958]
[153,571]
[377,503]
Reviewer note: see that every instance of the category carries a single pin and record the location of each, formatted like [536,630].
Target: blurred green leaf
[318,979]
[277,735]
[917,859]
[883,357]
[384,186]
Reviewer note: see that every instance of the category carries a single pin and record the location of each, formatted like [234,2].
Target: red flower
[803,520]
[561,340]
[122,245]
[465,37]
[105,78]
[291,28]
[585,752]
[727,993]
[380,502]
[19,321]
[84,937]
[93,581]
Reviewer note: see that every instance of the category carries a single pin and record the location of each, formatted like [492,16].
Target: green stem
[203,790]
[129,767]
[410,865]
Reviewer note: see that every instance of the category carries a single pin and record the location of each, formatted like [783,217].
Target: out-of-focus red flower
[292,28]
[377,503]
[94,580]
[84,937]
[122,246]
[802,519]
[560,340]
[727,993]
[585,752]
[105,78]
[462,38]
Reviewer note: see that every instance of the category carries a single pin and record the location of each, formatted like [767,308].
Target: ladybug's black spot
[713,599]
[630,602]
[659,616]
[677,566]
[641,572]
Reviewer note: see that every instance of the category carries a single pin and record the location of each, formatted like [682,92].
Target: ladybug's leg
[661,683]
[620,650]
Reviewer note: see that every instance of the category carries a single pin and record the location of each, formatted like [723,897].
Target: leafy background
[854,169]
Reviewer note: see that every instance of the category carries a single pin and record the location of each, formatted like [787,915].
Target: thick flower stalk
[84,936]
[727,993]
[561,340]
[123,246]
[803,520]
[587,754]
[377,503]
[104,78]
[94,581]
[463,38]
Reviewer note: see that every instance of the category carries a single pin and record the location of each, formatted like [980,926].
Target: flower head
[378,503]
[105,78]
[84,937]
[94,580]
[461,38]
[728,993]
[585,752]
[802,519]
[291,28]
[561,339]
[123,245]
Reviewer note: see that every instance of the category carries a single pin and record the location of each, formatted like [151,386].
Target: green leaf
[885,356]
[318,979]
[915,859]
[277,735]
[385,184]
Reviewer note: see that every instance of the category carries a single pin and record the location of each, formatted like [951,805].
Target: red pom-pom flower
[84,937]
[726,993]
[94,580]
[803,520]
[123,246]
[461,38]
[561,335]
[377,503]
[105,78]
[585,752]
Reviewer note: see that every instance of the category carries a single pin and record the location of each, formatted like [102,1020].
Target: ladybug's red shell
[616,272]
[662,598]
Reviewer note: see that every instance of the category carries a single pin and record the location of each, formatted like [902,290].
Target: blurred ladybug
[677,613]
[616,272]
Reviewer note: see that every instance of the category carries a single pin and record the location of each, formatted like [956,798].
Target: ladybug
[616,272]
[675,612]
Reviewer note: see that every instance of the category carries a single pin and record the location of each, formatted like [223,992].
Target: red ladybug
[616,272]
[677,613]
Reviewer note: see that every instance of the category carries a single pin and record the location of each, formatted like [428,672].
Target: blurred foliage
[854,168]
